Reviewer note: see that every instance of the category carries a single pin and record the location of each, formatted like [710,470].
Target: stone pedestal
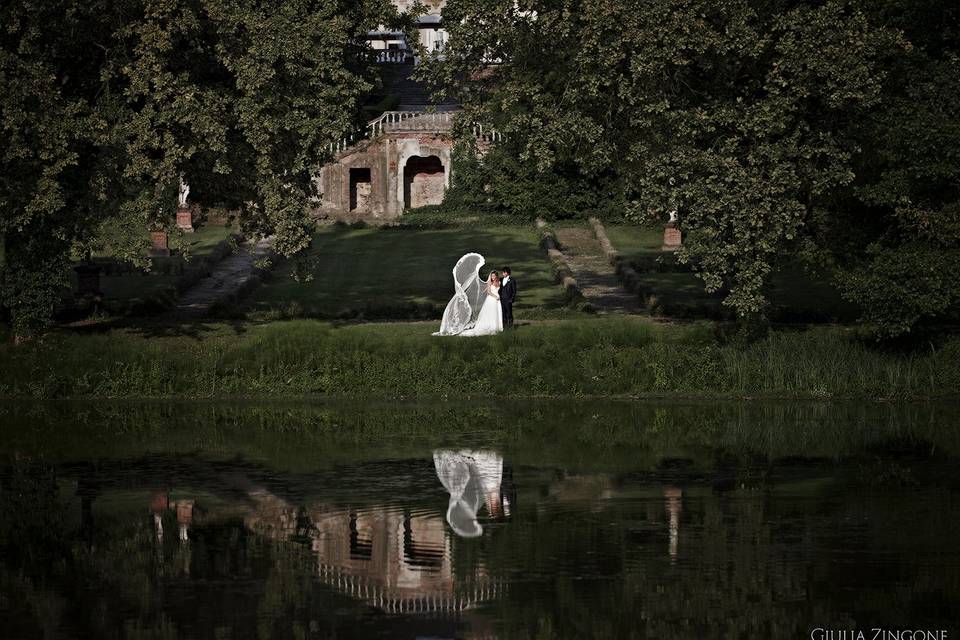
[88,279]
[185,219]
[158,244]
[671,238]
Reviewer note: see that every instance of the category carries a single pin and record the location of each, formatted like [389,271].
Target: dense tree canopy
[908,186]
[764,123]
[778,129]
[106,103]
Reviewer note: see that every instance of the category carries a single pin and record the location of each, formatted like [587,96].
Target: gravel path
[594,273]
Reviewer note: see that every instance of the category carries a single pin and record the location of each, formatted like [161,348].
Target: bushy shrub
[501,181]
[898,287]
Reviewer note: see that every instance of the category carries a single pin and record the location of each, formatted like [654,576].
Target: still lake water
[478,520]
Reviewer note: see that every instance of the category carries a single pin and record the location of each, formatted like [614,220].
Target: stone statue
[673,216]
[184,191]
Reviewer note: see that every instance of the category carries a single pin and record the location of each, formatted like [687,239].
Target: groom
[508,293]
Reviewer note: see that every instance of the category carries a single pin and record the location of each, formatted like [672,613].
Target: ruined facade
[401,160]
[380,177]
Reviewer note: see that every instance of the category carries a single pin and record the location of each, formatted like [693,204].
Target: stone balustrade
[392,56]
[411,121]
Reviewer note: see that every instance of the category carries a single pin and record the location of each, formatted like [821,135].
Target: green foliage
[32,278]
[910,190]
[898,286]
[106,103]
[760,123]
[501,181]
[449,216]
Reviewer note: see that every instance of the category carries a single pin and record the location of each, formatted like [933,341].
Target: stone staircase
[596,276]
[409,121]
[230,278]
[414,96]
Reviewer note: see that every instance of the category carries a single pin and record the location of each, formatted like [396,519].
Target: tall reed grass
[591,357]
[305,435]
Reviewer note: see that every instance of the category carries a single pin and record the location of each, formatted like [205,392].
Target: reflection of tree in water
[600,555]
[745,565]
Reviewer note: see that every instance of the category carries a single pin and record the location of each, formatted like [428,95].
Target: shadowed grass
[795,294]
[190,250]
[632,241]
[598,357]
[401,273]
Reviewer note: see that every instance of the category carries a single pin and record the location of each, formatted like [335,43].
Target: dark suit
[508,293]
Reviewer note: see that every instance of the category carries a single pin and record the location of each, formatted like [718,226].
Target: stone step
[597,279]
[412,94]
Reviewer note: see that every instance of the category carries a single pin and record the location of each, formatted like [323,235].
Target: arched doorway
[424,180]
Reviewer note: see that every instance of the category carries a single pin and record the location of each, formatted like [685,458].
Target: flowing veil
[455,473]
[469,292]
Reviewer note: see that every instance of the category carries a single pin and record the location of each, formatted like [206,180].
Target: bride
[490,320]
[474,309]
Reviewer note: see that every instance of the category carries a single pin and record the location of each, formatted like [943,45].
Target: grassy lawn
[582,357]
[633,241]
[188,249]
[403,272]
[202,242]
[794,292]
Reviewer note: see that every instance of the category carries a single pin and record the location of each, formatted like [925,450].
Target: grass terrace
[127,289]
[402,273]
[796,293]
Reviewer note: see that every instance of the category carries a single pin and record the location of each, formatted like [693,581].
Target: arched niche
[424,181]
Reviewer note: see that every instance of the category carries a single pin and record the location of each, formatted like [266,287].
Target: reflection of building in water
[597,489]
[395,560]
[160,505]
[398,562]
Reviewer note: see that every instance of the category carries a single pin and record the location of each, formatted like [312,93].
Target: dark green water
[523,520]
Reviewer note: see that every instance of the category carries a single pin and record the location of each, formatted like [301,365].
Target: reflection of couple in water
[473,479]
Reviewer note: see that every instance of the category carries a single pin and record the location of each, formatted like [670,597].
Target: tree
[106,104]
[907,197]
[741,114]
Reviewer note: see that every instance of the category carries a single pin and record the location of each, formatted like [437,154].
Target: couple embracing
[479,307]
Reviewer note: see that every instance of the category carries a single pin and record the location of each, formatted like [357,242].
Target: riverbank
[574,435]
[600,357]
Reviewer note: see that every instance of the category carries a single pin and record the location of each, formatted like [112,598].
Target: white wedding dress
[490,320]
[472,478]
[474,309]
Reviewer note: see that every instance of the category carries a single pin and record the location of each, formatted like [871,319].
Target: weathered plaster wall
[390,186]
[424,181]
